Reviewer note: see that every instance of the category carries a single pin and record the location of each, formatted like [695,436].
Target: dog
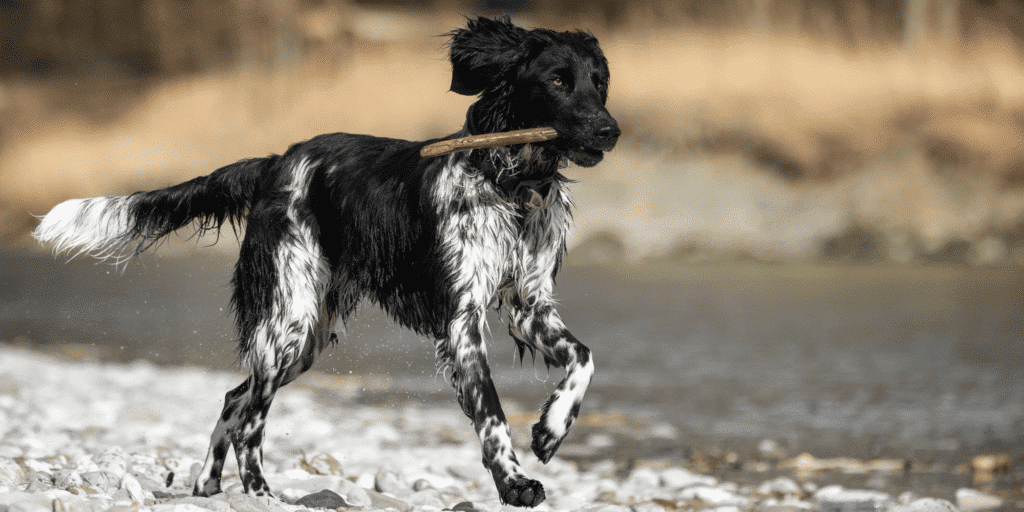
[435,242]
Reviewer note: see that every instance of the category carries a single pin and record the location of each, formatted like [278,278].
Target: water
[916,362]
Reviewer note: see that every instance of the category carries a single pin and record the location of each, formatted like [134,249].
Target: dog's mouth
[584,156]
[586,147]
[584,152]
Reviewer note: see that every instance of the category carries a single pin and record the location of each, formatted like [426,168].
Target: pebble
[87,448]
[781,486]
[387,481]
[970,500]
[840,494]
[422,484]
[325,464]
[927,505]
[715,496]
[131,485]
[426,498]
[678,478]
[245,503]
[771,449]
[11,474]
[322,499]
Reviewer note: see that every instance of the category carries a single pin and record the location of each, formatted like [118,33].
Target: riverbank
[90,436]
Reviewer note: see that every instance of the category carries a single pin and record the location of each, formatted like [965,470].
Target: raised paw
[521,493]
[545,442]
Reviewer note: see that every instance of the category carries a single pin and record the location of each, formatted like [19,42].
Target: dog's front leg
[541,328]
[471,377]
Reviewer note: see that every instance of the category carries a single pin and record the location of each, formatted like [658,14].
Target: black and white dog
[435,242]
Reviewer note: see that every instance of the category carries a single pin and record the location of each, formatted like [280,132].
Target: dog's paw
[206,488]
[545,441]
[521,493]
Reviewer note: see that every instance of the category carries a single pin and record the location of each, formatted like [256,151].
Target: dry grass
[820,108]
[799,116]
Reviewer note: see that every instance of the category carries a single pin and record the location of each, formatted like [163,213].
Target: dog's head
[532,78]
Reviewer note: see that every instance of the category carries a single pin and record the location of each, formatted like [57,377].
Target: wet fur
[434,242]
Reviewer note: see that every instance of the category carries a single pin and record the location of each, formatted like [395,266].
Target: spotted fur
[435,242]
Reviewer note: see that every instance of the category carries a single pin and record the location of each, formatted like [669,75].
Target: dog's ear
[484,53]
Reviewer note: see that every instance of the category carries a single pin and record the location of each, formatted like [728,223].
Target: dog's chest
[489,240]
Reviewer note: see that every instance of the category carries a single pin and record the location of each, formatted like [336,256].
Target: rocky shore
[88,436]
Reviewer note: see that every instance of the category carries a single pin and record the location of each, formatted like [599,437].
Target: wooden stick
[488,140]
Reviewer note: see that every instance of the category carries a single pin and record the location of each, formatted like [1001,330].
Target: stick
[488,140]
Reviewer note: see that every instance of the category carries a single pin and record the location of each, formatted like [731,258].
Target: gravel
[89,436]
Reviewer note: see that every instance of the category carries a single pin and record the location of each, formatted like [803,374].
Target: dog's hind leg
[541,328]
[208,482]
[285,313]
[242,421]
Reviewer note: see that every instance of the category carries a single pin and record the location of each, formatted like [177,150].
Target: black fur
[433,241]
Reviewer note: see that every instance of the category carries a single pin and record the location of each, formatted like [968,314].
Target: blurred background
[809,238]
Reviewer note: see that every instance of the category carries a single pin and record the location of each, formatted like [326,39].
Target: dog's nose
[608,133]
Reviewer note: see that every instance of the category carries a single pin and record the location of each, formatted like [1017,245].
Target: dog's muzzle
[606,136]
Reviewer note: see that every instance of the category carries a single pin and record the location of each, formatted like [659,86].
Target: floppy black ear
[484,53]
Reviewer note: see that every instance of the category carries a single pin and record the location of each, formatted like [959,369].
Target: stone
[713,496]
[839,494]
[35,506]
[193,475]
[782,487]
[325,464]
[178,507]
[605,507]
[987,466]
[970,500]
[388,481]
[68,478]
[383,501]
[50,501]
[426,498]
[106,480]
[11,474]
[134,489]
[113,460]
[323,499]
[240,502]
[643,478]
[848,506]
[771,449]
[655,506]
[678,478]
[907,497]
[39,482]
[926,505]
[356,496]
[204,503]
[422,484]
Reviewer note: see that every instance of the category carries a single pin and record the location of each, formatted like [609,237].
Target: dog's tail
[121,227]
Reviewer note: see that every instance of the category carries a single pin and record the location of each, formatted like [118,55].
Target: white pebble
[839,494]
[780,486]
[643,478]
[927,505]
[970,500]
[113,460]
[11,474]
[712,496]
[131,484]
[677,478]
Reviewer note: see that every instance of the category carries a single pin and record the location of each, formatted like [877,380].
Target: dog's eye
[558,82]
